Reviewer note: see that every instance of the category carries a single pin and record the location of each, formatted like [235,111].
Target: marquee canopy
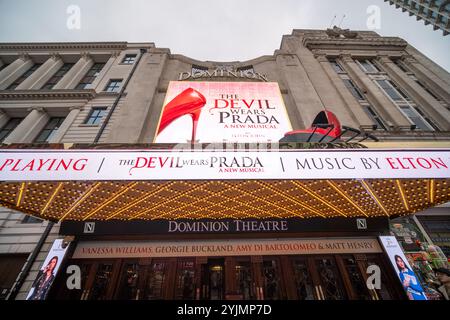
[194,184]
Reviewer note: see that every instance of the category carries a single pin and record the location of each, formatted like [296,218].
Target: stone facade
[356,75]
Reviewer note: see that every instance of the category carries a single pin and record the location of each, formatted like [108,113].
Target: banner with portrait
[405,273]
[47,274]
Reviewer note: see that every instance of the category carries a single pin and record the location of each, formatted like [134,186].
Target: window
[402,93]
[90,76]
[57,76]
[399,64]
[369,110]
[27,73]
[375,117]
[416,118]
[113,85]
[427,90]
[368,66]
[427,119]
[9,127]
[50,129]
[129,59]
[389,89]
[31,219]
[353,89]
[336,66]
[96,115]
[407,106]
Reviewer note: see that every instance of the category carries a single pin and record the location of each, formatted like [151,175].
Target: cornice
[47,94]
[215,64]
[159,50]
[375,42]
[64,46]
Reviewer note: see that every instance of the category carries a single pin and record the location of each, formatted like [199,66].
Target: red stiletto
[189,102]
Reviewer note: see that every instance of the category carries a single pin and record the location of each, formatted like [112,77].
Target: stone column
[14,71]
[29,128]
[57,137]
[428,77]
[4,118]
[76,73]
[439,114]
[39,77]
[388,110]
[352,106]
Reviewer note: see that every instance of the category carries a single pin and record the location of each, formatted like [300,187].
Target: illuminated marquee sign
[58,165]
[222,112]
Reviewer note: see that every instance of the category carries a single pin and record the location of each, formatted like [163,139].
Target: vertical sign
[403,269]
[47,274]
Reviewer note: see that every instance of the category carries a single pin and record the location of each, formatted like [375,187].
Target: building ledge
[410,135]
[323,42]
[64,45]
[54,94]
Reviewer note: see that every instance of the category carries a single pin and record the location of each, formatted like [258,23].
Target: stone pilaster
[100,78]
[324,88]
[70,118]
[439,114]
[302,92]
[352,106]
[4,118]
[17,68]
[427,77]
[76,73]
[388,110]
[29,128]
[39,77]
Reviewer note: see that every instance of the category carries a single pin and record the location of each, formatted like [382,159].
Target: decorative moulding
[64,45]
[46,94]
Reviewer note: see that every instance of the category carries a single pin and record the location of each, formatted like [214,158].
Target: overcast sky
[226,30]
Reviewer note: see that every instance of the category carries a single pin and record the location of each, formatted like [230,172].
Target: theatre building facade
[150,175]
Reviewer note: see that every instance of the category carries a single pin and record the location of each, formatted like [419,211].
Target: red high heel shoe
[189,102]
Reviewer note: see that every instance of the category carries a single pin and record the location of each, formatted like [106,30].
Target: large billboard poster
[47,274]
[222,112]
[403,269]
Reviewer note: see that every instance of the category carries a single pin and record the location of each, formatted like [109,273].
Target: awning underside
[216,199]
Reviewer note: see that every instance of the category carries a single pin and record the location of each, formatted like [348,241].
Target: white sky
[226,30]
